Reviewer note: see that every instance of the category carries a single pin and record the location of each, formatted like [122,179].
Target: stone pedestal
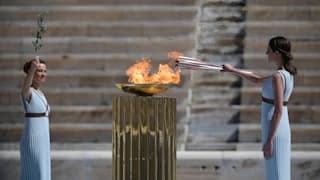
[144,138]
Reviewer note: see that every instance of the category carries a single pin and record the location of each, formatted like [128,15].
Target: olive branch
[41,28]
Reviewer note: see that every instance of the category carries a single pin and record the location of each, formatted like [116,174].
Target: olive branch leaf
[41,28]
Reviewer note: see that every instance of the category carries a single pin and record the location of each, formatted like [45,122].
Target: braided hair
[283,46]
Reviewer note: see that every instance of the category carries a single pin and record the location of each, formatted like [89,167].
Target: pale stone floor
[200,165]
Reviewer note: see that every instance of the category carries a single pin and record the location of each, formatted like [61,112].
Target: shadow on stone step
[234,137]
[235,119]
[236,100]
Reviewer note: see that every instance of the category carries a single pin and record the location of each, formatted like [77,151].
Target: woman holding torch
[277,88]
[35,140]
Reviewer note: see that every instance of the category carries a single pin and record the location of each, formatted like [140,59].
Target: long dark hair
[283,46]
[27,65]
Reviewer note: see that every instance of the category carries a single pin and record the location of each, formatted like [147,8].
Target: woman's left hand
[267,150]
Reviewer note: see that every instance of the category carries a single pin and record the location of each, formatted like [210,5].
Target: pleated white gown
[278,167]
[35,141]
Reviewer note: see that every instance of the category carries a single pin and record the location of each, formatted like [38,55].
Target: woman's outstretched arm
[250,76]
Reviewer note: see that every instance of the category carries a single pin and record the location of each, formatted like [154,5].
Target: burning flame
[174,55]
[139,74]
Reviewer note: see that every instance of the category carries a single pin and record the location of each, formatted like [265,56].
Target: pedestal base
[144,138]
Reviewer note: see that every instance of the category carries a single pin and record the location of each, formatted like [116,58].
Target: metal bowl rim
[143,85]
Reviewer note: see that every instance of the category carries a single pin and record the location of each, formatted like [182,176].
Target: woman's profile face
[40,74]
[272,55]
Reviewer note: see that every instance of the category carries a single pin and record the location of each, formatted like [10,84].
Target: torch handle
[199,66]
[195,64]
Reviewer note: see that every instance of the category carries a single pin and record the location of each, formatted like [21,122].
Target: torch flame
[139,74]
[174,55]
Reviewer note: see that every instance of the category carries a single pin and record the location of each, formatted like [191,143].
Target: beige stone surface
[300,114]
[300,133]
[267,12]
[304,61]
[220,165]
[300,96]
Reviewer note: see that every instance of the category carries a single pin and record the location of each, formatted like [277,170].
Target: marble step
[99,13]
[300,96]
[104,79]
[199,133]
[100,29]
[301,114]
[62,114]
[214,114]
[99,146]
[88,61]
[286,12]
[215,30]
[72,114]
[68,79]
[290,29]
[63,132]
[283,2]
[84,96]
[210,96]
[210,78]
[76,78]
[300,133]
[224,90]
[304,78]
[68,132]
[201,165]
[99,2]
[244,146]
[220,99]
[98,45]
[211,14]
[219,43]
[259,45]
[240,147]
[205,97]
[229,114]
[303,61]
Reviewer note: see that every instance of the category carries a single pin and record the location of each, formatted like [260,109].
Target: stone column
[144,138]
